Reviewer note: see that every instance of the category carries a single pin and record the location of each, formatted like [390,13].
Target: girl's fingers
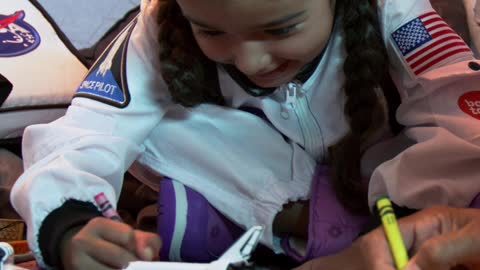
[86,262]
[113,231]
[147,245]
[111,254]
[143,245]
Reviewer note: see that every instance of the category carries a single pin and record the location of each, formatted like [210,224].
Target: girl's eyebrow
[272,24]
[283,20]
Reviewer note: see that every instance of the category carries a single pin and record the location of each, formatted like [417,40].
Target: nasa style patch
[17,37]
[106,80]
[470,104]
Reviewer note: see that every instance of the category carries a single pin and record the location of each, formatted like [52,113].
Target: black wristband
[71,214]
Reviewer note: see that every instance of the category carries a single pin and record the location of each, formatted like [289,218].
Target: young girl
[278,113]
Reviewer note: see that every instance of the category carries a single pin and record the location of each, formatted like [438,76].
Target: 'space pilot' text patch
[106,80]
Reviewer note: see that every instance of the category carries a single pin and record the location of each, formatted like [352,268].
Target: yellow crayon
[392,231]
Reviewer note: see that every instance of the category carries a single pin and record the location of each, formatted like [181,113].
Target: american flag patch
[427,41]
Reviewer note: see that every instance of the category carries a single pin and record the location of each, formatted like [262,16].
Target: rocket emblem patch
[106,80]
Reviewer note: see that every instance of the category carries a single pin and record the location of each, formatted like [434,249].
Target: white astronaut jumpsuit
[247,167]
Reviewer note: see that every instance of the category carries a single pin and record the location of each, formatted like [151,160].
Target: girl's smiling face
[267,40]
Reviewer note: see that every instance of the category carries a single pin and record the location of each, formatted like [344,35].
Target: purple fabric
[166,216]
[195,238]
[475,202]
[331,227]
[208,233]
[222,233]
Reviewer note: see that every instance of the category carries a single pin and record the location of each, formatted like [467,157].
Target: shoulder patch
[106,81]
[427,42]
[469,103]
[17,37]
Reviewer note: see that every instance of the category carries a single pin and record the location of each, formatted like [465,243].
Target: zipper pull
[290,99]
[291,96]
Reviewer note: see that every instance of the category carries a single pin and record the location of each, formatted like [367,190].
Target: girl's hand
[439,238]
[107,244]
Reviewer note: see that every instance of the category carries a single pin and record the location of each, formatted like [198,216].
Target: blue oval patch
[16,36]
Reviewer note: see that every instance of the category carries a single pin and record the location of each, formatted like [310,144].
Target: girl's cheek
[214,50]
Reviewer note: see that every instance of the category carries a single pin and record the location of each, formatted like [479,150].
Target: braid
[192,80]
[191,77]
[365,68]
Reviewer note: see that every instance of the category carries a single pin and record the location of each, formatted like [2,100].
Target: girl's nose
[251,57]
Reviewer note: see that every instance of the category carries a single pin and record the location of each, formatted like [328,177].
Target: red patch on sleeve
[470,104]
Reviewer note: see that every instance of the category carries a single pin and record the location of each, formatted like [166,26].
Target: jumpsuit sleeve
[87,151]
[438,81]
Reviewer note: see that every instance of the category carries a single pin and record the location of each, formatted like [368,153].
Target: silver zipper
[296,101]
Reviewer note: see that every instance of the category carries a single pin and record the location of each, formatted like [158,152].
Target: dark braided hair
[190,76]
[192,80]
[366,70]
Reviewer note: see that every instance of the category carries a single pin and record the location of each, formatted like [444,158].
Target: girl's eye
[283,31]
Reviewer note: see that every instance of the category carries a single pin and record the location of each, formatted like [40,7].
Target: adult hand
[438,238]
[107,244]
[476,11]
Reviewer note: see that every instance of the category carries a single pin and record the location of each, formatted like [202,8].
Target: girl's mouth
[272,74]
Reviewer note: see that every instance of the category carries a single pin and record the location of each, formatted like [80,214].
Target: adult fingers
[306,266]
[449,250]
[421,226]
[432,222]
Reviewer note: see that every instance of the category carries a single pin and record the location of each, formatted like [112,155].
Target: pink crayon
[106,207]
